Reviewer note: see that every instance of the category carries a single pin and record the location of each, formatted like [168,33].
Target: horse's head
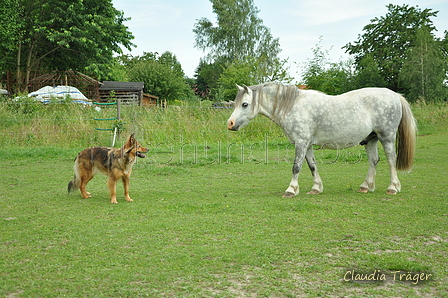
[244,110]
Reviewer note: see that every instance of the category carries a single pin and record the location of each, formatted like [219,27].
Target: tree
[169,59]
[368,74]
[250,72]
[70,34]
[323,75]
[238,39]
[207,76]
[424,69]
[315,67]
[444,46]
[387,39]
[163,75]
[239,72]
[9,30]
[238,34]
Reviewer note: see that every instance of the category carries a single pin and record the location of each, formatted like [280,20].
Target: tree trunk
[18,86]
[28,68]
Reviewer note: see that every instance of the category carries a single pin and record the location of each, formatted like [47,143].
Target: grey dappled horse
[310,118]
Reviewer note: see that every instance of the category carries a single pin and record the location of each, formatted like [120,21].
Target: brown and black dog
[113,162]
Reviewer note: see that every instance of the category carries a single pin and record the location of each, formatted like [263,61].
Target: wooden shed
[149,100]
[127,92]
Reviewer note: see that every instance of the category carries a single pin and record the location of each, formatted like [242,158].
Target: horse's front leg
[293,188]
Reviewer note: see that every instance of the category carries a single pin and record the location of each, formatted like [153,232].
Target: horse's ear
[248,90]
[239,87]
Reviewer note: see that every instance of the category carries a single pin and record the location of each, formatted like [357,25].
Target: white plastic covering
[46,93]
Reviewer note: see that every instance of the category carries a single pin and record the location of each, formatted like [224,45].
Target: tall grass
[66,125]
[71,125]
[431,118]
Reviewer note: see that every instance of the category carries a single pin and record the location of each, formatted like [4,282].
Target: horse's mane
[282,96]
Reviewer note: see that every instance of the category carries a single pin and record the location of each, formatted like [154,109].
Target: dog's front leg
[112,183]
[126,182]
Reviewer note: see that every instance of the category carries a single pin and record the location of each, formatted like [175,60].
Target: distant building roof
[122,86]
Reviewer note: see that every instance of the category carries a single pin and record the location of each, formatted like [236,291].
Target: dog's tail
[74,184]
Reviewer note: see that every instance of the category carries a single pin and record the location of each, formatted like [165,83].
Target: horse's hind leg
[389,149]
[372,153]
[317,186]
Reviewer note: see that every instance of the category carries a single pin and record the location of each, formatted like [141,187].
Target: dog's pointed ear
[131,140]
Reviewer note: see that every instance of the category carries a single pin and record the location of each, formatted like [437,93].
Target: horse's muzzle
[231,125]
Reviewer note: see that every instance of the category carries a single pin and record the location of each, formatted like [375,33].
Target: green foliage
[250,71]
[320,74]
[207,76]
[24,105]
[166,58]
[63,35]
[162,74]
[9,30]
[239,33]
[119,125]
[388,38]
[424,70]
[368,74]
[237,73]
[160,80]
[117,72]
[397,51]
[239,42]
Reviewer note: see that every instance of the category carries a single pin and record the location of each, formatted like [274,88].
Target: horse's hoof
[313,192]
[363,190]
[288,195]
[391,192]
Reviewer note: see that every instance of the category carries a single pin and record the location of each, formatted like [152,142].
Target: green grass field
[212,223]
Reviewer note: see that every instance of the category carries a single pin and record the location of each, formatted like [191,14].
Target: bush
[160,80]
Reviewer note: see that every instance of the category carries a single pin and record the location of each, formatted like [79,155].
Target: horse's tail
[406,137]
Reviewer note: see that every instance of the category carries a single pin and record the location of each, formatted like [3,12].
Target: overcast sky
[167,25]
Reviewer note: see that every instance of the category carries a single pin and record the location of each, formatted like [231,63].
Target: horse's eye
[245,104]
